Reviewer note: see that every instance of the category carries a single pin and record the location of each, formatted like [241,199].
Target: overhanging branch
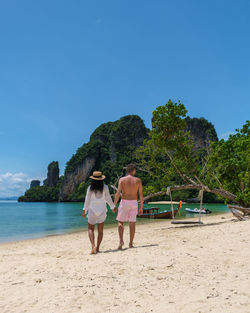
[220,192]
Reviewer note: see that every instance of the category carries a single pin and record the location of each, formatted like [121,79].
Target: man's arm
[118,193]
[141,197]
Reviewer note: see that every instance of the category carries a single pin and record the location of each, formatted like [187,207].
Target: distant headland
[13,198]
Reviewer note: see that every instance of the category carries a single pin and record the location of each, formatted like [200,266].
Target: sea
[29,220]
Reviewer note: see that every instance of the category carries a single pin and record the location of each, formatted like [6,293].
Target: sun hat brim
[98,178]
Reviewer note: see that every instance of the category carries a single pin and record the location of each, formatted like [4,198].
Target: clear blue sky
[68,66]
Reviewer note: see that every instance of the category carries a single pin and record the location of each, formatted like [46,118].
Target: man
[129,186]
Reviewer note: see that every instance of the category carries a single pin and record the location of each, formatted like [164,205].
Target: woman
[95,205]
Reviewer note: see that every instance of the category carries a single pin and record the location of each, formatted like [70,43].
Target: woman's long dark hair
[96,185]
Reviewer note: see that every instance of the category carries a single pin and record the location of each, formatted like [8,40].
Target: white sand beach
[171,269]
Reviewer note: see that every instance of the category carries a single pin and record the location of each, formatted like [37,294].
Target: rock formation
[49,192]
[34,183]
[110,148]
[202,132]
[74,178]
[52,175]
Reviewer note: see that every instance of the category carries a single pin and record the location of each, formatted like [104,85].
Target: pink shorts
[127,211]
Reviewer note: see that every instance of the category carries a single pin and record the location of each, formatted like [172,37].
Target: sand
[172,269]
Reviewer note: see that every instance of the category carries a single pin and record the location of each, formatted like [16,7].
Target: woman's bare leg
[91,229]
[120,231]
[100,236]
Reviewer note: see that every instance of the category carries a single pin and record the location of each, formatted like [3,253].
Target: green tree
[170,156]
[40,194]
[228,164]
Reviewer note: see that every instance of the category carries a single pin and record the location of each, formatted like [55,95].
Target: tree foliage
[40,194]
[171,157]
[228,164]
[169,149]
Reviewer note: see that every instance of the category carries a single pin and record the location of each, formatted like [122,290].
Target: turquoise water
[214,207]
[26,220]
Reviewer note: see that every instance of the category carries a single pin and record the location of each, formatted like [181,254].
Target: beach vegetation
[171,157]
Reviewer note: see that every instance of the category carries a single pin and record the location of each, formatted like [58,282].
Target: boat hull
[160,215]
[197,211]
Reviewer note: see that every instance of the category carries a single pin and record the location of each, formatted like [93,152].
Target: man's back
[129,187]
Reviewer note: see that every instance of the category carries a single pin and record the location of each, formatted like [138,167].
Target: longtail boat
[154,213]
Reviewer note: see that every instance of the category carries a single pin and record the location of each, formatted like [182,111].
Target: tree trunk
[220,192]
[244,211]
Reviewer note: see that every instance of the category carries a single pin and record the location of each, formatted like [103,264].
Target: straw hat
[97,176]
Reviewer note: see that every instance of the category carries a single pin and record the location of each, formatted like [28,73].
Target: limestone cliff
[49,192]
[52,175]
[202,132]
[34,183]
[110,148]
[74,178]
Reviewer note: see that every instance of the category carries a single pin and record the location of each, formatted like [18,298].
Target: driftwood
[245,211]
[239,215]
[242,214]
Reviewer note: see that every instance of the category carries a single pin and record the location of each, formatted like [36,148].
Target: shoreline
[111,225]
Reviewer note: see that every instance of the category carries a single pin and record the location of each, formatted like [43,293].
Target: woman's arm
[86,202]
[108,197]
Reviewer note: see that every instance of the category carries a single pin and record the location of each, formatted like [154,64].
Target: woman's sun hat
[97,176]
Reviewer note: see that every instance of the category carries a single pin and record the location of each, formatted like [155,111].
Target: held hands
[114,210]
[83,214]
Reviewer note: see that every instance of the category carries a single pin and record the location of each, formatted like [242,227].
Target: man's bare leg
[120,230]
[132,233]
[91,229]
[100,236]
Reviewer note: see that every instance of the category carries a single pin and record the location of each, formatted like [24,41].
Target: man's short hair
[130,168]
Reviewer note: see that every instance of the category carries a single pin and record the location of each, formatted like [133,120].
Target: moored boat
[197,211]
[155,213]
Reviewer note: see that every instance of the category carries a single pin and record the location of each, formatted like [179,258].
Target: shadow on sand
[136,247]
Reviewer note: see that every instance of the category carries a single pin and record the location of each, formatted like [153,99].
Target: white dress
[95,205]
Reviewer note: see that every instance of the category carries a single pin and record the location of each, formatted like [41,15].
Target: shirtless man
[129,186]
